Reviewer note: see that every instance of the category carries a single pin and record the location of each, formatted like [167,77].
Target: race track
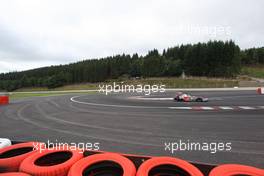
[140,124]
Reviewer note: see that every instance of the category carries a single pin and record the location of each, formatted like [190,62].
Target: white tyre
[4,142]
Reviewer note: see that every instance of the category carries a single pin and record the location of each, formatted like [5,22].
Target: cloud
[37,33]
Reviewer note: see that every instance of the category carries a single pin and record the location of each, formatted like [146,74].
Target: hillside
[211,59]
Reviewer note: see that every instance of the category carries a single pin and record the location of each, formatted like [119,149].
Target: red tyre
[51,162]
[103,164]
[167,166]
[12,156]
[14,174]
[236,169]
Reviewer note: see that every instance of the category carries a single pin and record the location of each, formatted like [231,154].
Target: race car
[183,97]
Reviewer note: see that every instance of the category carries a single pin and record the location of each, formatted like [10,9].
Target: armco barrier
[51,162]
[4,99]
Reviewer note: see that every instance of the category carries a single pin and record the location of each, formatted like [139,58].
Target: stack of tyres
[236,169]
[167,166]
[22,160]
[14,174]
[12,156]
[51,162]
[105,164]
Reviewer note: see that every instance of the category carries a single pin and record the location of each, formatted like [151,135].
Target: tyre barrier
[14,174]
[12,156]
[236,169]
[50,162]
[167,166]
[260,90]
[4,143]
[104,164]
[55,162]
[4,99]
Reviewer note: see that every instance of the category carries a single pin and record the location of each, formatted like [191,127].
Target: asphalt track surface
[129,124]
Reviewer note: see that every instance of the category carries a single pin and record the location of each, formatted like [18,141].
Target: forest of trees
[211,59]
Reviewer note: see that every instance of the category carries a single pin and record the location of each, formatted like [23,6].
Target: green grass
[254,71]
[86,86]
[14,96]
[174,82]
[22,95]
[170,82]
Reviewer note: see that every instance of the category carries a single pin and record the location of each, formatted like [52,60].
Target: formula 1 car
[182,97]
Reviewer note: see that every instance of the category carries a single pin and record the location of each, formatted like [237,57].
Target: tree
[153,64]
[56,80]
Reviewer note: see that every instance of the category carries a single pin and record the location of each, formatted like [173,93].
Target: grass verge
[254,71]
[170,82]
[186,83]
[22,95]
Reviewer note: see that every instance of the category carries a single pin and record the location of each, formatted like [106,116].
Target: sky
[37,33]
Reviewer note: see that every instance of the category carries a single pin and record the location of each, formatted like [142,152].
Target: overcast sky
[36,33]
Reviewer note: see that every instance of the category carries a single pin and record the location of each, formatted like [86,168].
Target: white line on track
[183,108]
[246,107]
[149,98]
[226,107]
[205,108]
[73,99]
